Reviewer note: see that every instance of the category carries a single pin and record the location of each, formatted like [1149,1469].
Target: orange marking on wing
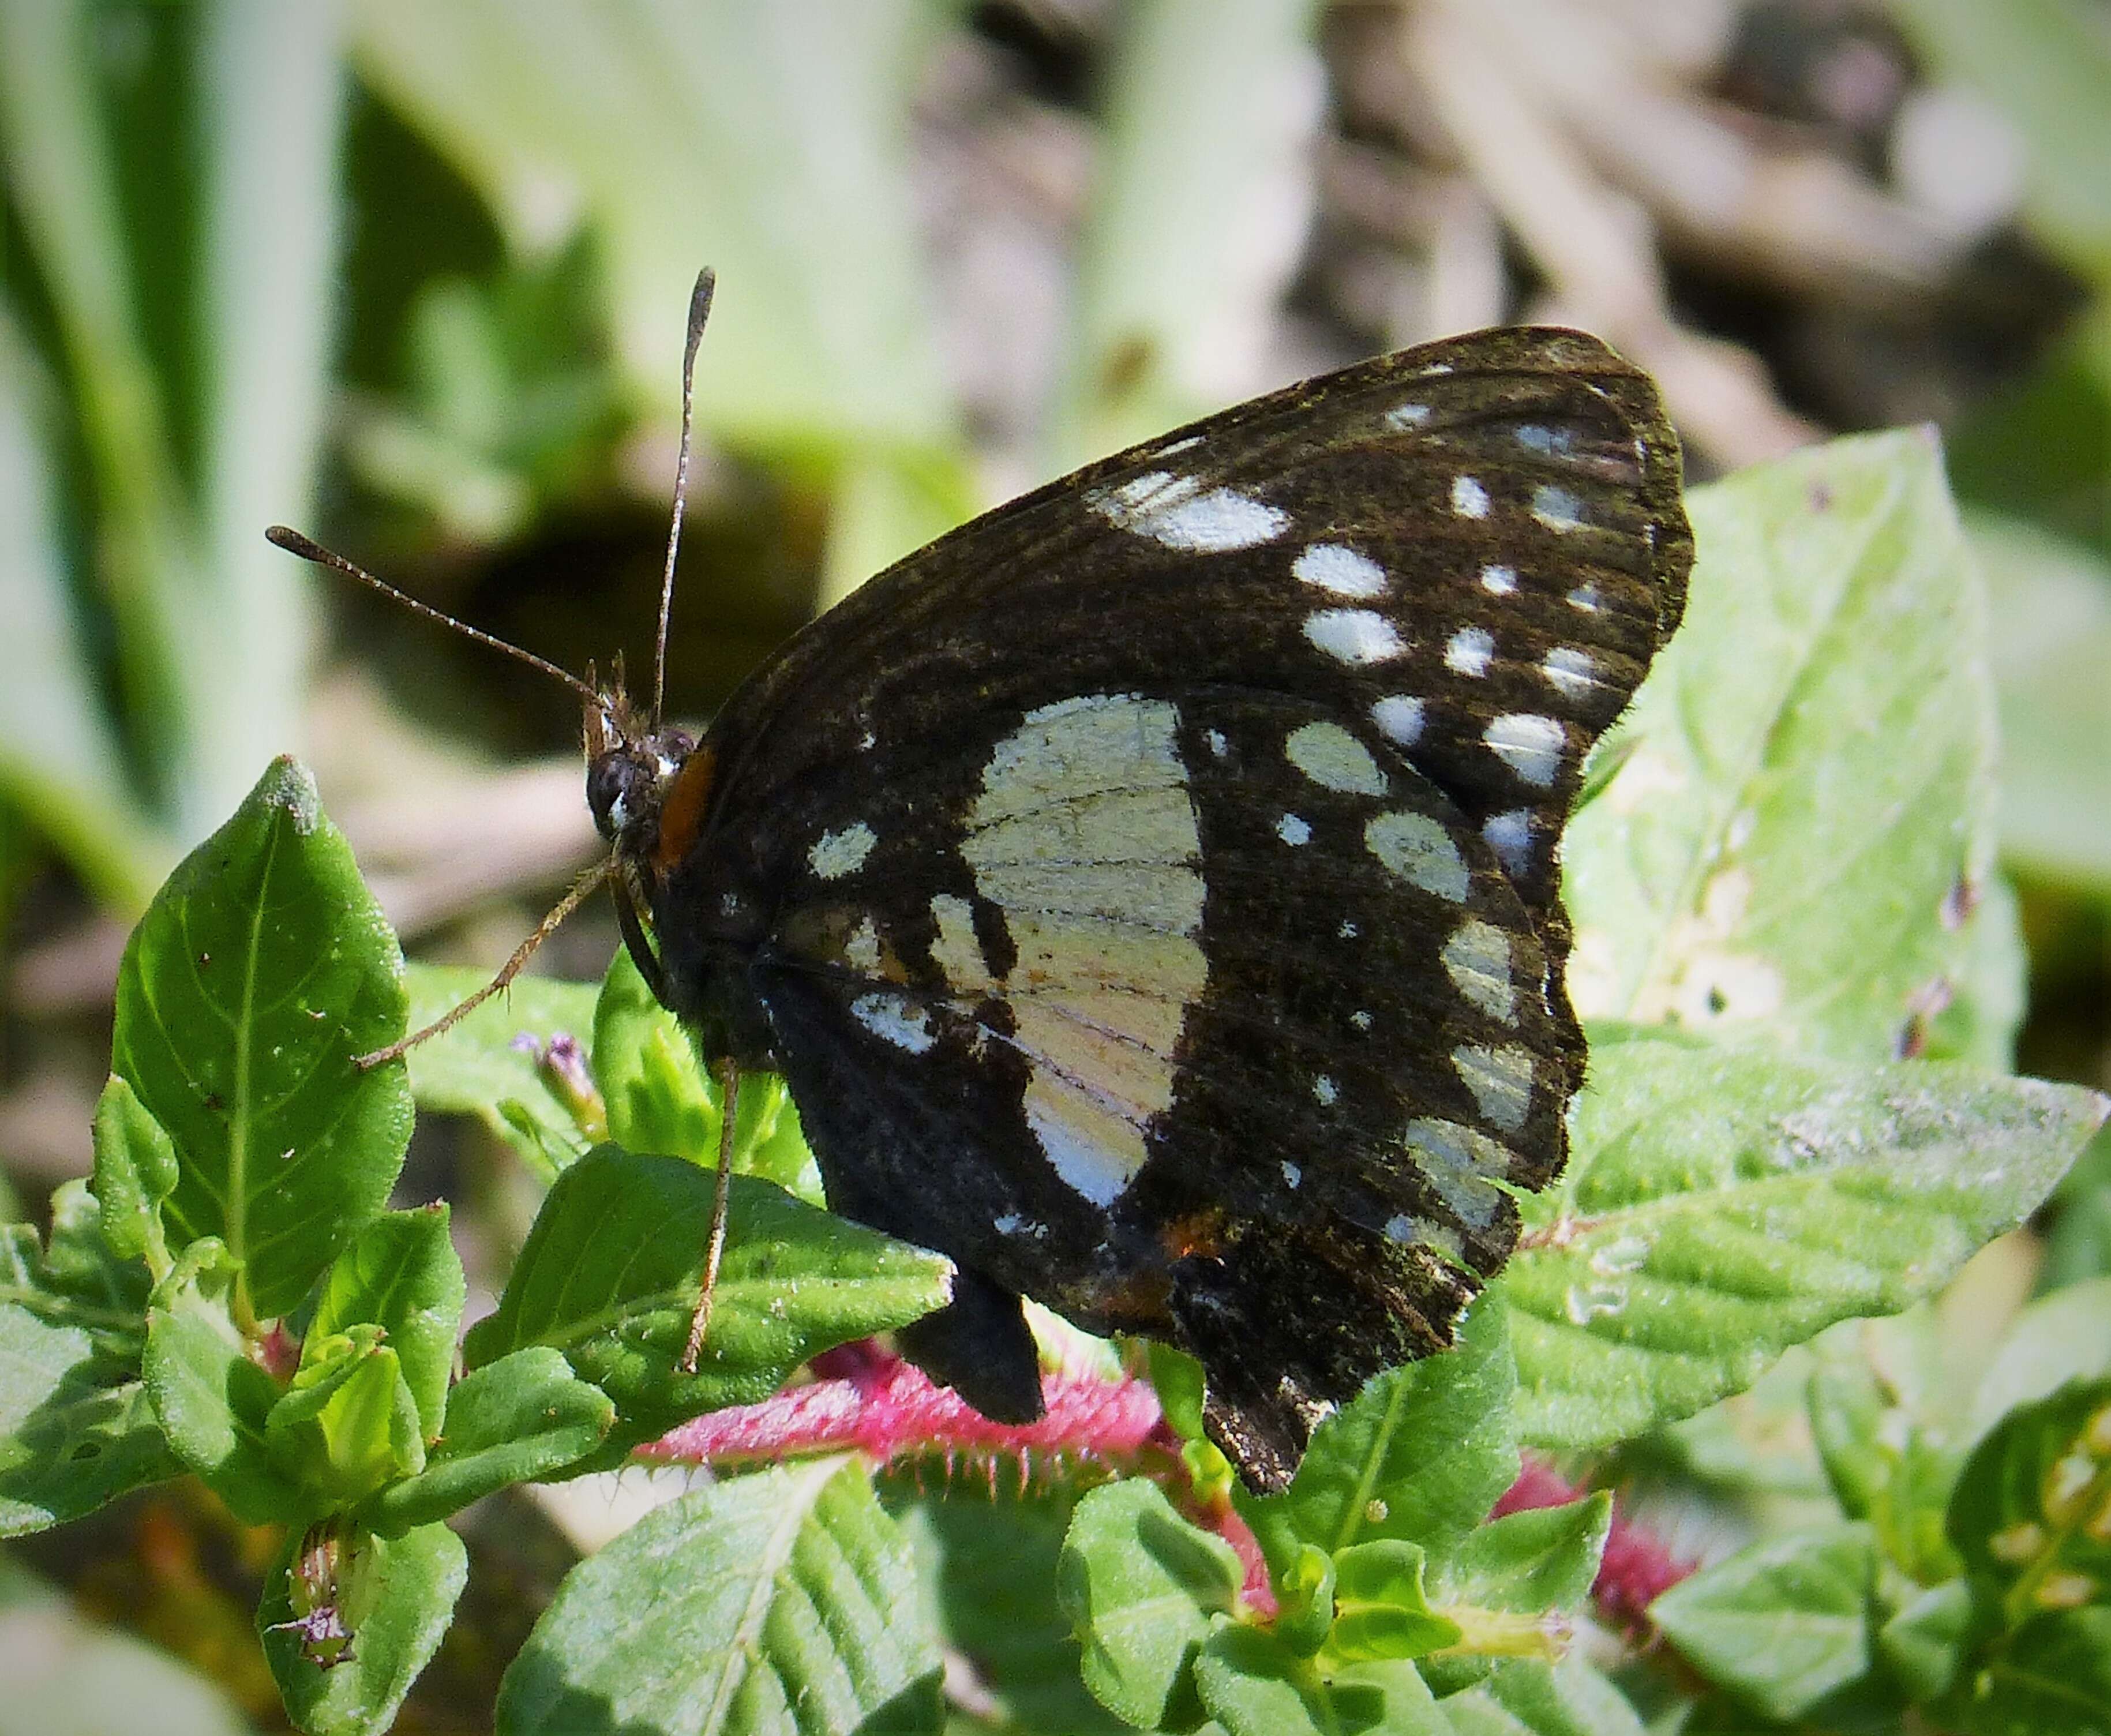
[1198,1233]
[681,811]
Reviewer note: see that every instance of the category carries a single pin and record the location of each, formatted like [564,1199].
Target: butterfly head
[630,767]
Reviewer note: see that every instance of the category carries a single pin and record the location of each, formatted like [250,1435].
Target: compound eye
[607,778]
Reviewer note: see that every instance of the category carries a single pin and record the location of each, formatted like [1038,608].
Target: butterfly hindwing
[1161,871]
[1156,1044]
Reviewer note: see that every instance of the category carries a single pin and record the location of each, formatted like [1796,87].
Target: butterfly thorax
[649,790]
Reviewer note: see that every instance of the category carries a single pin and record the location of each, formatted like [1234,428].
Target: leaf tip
[287,783]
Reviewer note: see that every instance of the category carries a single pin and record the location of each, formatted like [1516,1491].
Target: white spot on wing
[1585,598]
[1354,635]
[1218,745]
[1477,958]
[1468,498]
[1556,507]
[1529,744]
[956,950]
[1417,849]
[1340,569]
[862,949]
[1085,838]
[1334,759]
[1456,1160]
[1500,1081]
[1574,671]
[1361,1018]
[1408,415]
[1498,581]
[1177,511]
[1508,834]
[891,1017]
[1325,1091]
[1399,717]
[1470,650]
[1085,1166]
[1293,830]
[835,854]
[1291,1175]
[1402,1227]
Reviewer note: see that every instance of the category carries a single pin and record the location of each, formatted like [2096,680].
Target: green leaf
[1724,1203]
[1506,1586]
[1847,1410]
[610,1272]
[523,1417]
[659,1099]
[490,1066]
[2079,1246]
[1782,1623]
[1525,1563]
[349,1424]
[210,1400]
[988,1561]
[1528,1699]
[1419,1456]
[2051,643]
[782,1601]
[76,1429]
[1254,1685]
[1142,1587]
[1808,777]
[1177,1378]
[1381,1610]
[135,1171]
[2053,1679]
[263,967]
[1911,1515]
[403,1275]
[1923,1642]
[395,1595]
[2063,1337]
[2031,1514]
[1305,1594]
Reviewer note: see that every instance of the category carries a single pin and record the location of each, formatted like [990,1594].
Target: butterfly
[1149,890]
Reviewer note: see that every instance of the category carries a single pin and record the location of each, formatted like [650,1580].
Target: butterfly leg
[587,885]
[728,1071]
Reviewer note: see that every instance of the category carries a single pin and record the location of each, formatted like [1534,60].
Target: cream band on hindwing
[1085,836]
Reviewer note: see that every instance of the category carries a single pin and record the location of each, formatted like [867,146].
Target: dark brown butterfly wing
[1163,867]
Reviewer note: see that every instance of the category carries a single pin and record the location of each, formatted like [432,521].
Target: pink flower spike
[871,1401]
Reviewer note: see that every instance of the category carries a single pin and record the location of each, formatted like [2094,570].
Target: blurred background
[411,275]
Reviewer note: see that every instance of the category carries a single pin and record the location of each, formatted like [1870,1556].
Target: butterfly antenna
[294,543]
[700,310]
[728,1071]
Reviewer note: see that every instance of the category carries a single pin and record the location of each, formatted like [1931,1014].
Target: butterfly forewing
[1162,868]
